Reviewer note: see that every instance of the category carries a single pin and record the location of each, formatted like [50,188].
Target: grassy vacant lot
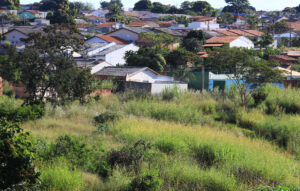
[177,141]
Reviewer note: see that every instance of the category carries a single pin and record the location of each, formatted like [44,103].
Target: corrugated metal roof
[120,71]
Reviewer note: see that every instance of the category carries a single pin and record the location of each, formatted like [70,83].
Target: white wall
[14,37]
[126,35]
[242,42]
[198,26]
[117,57]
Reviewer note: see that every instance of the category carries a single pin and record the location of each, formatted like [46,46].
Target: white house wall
[14,37]
[117,57]
[242,42]
[126,35]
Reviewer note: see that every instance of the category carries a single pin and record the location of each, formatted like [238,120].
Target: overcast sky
[258,4]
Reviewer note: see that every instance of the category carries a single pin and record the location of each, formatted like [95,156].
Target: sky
[258,4]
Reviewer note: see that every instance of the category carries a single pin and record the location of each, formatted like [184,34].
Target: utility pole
[290,35]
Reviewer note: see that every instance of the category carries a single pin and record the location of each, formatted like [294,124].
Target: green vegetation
[176,140]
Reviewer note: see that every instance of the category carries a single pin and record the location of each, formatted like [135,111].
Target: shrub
[147,182]
[206,155]
[251,177]
[7,89]
[59,176]
[107,117]
[17,154]
[269,188]
[21,113]
[170,93]
[166,146]
[259,95]
[129,156]
[228,111]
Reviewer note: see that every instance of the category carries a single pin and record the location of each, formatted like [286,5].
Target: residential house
[233,41]
[108,27]
[199,23]
[80,22]
[95,19]
[41,22]
[111,53]
[83,28]
[140,79]
[284,61]
[288,35]
[15,34]
[106,39]
[99,13]
[240,20]
[143,24]
[29,14]
[130,34]
[169,31]
[92,64]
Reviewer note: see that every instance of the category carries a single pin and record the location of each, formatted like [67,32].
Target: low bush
[166,146]
[21,113]
[147,182]
[8,89]
[207,156]
[107,117]
[169,93]
[259,95]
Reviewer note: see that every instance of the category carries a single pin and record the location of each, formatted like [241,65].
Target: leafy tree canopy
[246,71]
[143,5]
[157,40]
[17,156]
[238,6]
[107,4]
[115,13]
[61,14]
[278,27]
[10,4]
[146,57]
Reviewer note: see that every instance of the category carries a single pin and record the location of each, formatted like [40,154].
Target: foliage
[170,93]
[278,27]
[194,41]
[253,21]
[115,13]
[237,6]
[159,8]
[10,3]
[183,20]
[242,68]
[47,69]
[129,156]
[107,117]
[147,182]
[78,7]
[107,4]
[159,40]
[226,19]
[61,14]
[269,188]
[17,155]
[146,57]
[266,40]
[60,176]
[8,67]
[143,5]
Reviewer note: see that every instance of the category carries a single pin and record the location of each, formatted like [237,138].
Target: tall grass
[58,176]
[240,161]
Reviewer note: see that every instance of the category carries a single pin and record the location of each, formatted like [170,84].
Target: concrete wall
[154,88]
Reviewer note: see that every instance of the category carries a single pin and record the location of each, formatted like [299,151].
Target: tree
[203,8]
[157,40]
[159,8]
[106,4]
[180,59]
[48,5]
[146,57]
[246,71]
[77,7]
[47,69]
[61,14]
[237,6]
[10,4]
[143,5]
[183,20]
[194,41]
[267,39]
[115,13]
[186,5]
[253,21]
[226,19]
[17,171]
[278,27]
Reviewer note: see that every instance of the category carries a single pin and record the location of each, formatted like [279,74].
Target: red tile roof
[33,12]
[213,45]
[221,39]
[240,32]
[283,58]
[225,32]
[202,54]
[108,38]
[107,24]
[239,17]
[254,32]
